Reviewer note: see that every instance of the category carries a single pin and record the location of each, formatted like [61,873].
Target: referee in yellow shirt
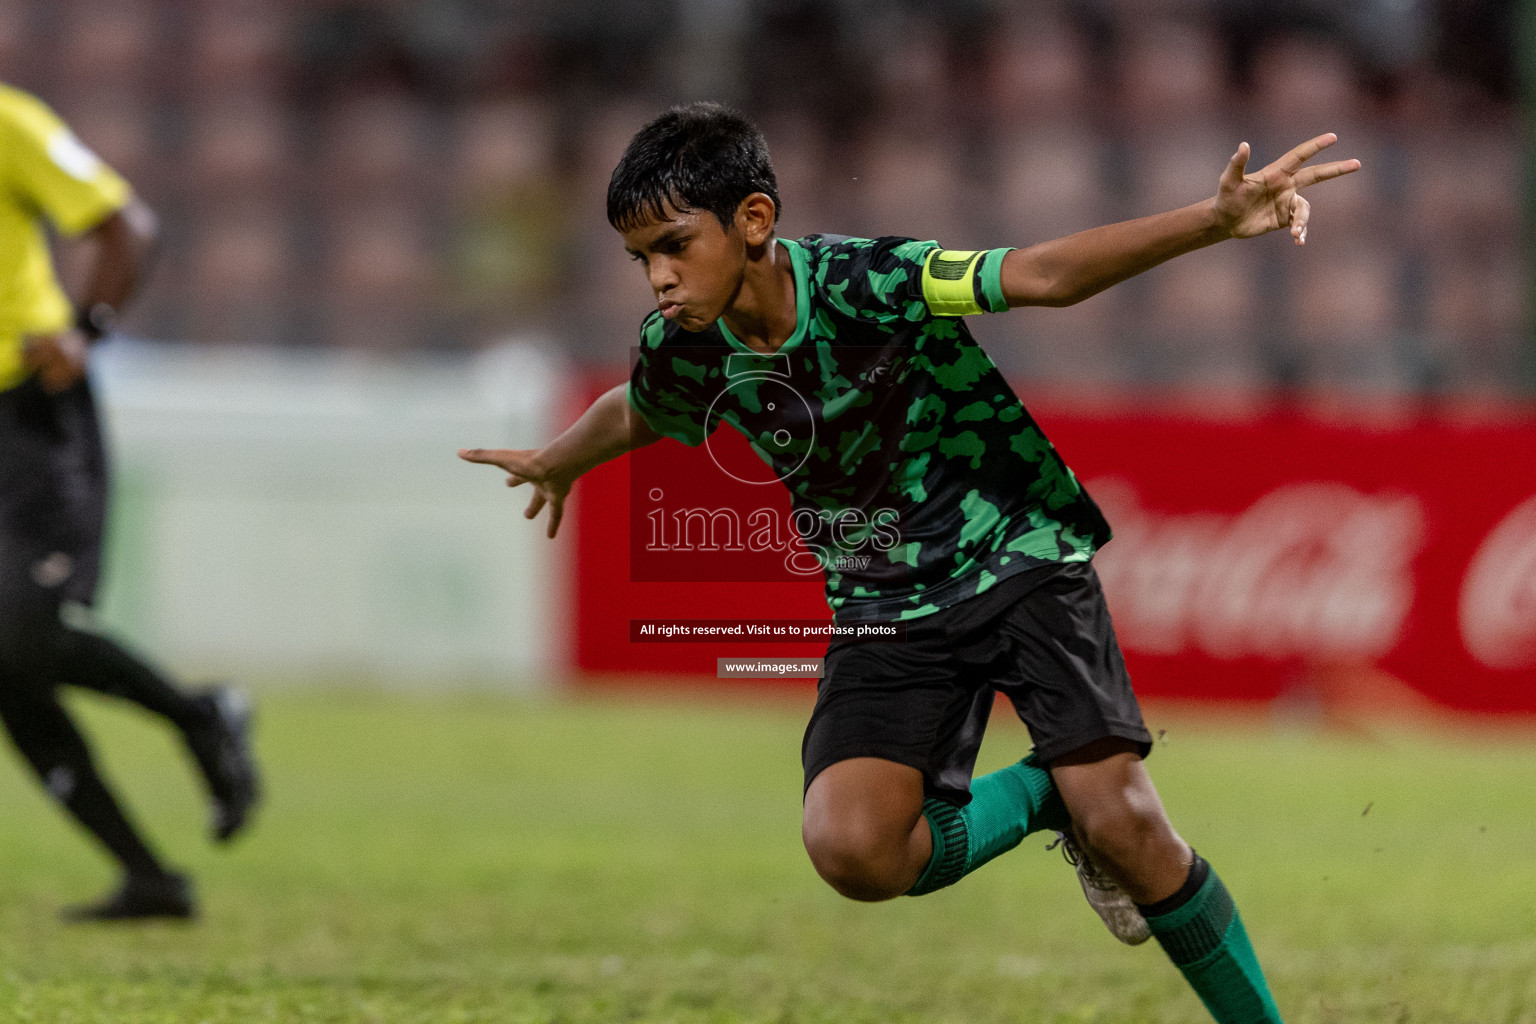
[53,487]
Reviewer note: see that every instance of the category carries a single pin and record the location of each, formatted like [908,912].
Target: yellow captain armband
[949,282]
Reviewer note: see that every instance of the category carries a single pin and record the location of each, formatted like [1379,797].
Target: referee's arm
[123,246]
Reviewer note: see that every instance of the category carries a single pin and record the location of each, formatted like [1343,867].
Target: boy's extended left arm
[609,428]
[1067,270]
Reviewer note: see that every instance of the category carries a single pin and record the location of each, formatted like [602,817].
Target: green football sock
[1200,930]
[1005,806]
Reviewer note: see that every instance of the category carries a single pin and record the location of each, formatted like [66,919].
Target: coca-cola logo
[1498,596]
[1314,570]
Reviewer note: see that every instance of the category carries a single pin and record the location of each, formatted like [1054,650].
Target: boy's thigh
[906,702]
[1065,674]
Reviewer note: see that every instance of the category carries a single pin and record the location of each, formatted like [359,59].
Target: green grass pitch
[464,859]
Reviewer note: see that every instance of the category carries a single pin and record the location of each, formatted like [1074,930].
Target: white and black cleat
[1108,900]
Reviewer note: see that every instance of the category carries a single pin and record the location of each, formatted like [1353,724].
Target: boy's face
[694,265]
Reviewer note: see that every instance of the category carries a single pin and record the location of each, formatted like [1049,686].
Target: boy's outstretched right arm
[609,428]
[1068,270]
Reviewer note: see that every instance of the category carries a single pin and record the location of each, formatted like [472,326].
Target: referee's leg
[43,731]
[66,467]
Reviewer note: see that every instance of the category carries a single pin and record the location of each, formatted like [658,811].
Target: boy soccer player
[53,490]
[989,567]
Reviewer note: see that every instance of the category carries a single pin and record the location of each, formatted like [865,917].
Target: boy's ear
[756,216]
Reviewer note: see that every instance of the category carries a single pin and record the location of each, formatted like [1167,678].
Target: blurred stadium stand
[393,176]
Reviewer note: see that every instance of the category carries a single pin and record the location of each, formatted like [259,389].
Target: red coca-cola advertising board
[1251,553]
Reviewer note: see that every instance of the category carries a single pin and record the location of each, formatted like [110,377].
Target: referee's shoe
[165,896]
[221,746]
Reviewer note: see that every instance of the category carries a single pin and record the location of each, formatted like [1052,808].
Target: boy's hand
[1251,204]
[522,467]
[57,359]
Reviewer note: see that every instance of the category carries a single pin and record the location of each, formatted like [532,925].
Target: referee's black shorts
[53,490]
[1041,637]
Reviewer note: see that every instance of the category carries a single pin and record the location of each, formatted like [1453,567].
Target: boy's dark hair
[701,156]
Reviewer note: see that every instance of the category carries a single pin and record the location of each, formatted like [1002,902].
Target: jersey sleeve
[54,171]
[664,388]
[889,279]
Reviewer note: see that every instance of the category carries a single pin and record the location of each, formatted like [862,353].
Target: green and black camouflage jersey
[918,478]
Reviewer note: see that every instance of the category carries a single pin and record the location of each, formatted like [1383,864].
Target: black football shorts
[1042,638]
[53,489]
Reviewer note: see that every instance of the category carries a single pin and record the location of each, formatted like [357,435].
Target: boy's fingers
[1312,175]
[1236,166]
[556,511]
[514,462]
[484,456]
[1293,160]
[534,504]
[1301,212]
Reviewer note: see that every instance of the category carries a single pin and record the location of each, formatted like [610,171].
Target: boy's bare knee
[857,861]
[861,816]
[1123,838]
